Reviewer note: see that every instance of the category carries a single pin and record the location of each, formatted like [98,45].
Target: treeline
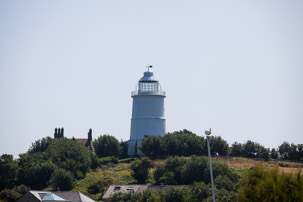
[186,143]
[55,164]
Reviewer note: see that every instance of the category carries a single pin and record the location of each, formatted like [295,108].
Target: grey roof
[134,188]
[124,188]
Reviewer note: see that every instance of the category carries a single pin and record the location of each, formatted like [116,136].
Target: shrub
[223,182]
[70,155]
[178,170]
[9,195]
[140,169]
[108,159]
[106,145]
[62,179]
[99,187]
[8,171]
[262,185]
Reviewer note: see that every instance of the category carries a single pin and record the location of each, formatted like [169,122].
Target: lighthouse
[148,117]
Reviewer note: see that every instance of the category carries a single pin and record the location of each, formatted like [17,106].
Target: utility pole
[208,133]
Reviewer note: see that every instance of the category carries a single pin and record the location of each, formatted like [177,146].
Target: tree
[236,149]
[284,150]
[179,170]
[39,175]
[106,145]
[141,169]
[152,146]
[62,179]
[219,147]
[123,150]
[223,182]
[40,145]
[8,171]
[70,155]
[249,149]
[9,195]
[193,170]
[274,154]
[199,192]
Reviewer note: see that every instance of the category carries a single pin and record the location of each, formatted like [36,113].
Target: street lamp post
[208,133]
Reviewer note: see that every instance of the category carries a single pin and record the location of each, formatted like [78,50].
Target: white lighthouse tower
[148,112]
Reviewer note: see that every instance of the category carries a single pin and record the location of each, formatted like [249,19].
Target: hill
[120,172]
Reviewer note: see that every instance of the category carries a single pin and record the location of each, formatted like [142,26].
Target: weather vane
[149,66]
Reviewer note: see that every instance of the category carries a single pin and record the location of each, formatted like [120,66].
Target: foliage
[223,195]
[291,151]
[21,189]
[236,149]
[9,195]
[146,196]
[38,176]
[199,192]
[175,194]
[62,179]
[152,146]
[106,145]
[274,154]
[106,160]
[100,185]
[223,182]
[182,143]
[8,171]
[70,155]
[123,150]
[219,147]
[259,184]
[140,169]
[40,145]
[95,160]
[250,149]
[179,170]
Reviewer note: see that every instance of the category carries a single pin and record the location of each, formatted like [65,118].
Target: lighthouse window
[148,86]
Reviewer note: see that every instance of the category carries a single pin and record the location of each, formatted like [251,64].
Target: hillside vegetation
[176,159]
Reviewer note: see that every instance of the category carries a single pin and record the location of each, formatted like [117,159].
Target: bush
[62,179]
[99,187]
[178,170]
[199,192]
[107,145]
[21,189]
[223,182]
[8,171]
[259,184]
[175,195]
[40,145]
[9,195]
[140,169]
[70,155]
[146,196]
[108,159]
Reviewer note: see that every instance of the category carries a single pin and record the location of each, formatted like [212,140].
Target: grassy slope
[121,173]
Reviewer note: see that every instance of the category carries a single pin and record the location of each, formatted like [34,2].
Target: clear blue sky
[235,66]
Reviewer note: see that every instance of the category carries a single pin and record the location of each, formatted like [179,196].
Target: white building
[148,116]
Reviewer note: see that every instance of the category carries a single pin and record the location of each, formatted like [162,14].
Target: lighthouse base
[133,147]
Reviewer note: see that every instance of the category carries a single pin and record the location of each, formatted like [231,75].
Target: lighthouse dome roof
[149,77]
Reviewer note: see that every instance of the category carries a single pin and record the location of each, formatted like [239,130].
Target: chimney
[90,137]
[56,133]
